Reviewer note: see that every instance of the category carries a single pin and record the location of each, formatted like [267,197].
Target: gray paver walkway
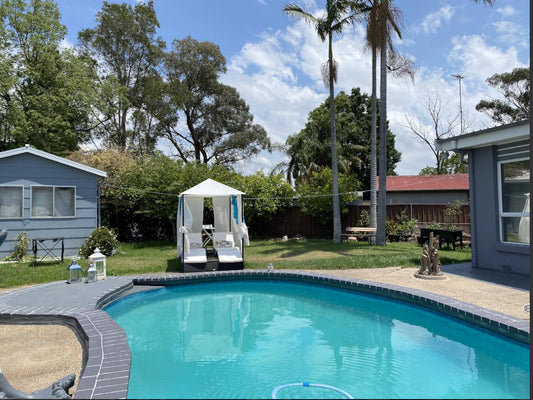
[517,281]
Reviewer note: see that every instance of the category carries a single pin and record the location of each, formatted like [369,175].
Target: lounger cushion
[231,255]
[195,256]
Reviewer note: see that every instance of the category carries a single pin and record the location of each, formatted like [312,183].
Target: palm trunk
[382,197]
[334,168]
[373,150]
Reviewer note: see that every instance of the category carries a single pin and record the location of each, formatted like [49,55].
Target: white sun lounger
[225,248]
[196,253]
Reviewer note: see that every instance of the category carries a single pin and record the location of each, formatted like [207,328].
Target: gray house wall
[427,197]
[487,249]
[27,170]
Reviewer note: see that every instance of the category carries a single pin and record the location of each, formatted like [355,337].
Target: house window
[513,177]
[11,201]
[53,201]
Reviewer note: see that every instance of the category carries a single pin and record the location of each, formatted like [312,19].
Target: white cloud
[433,21]
[279,77]
[511,33]
[506,11]
[476,59]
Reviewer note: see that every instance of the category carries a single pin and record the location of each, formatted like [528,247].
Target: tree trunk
[334,169]
[373,149]
[381,239]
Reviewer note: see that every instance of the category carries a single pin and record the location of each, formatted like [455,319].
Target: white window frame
[501,213]
[53,201]
[21,204]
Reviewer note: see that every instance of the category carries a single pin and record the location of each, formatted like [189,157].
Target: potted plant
[391,229]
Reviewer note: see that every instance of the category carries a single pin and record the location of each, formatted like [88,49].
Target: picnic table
[356,232]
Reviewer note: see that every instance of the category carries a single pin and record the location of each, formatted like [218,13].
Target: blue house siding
[499,172]
[488,251]
[29,170]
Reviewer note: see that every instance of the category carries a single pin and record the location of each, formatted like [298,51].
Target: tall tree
[309,152]
[399,66]
[382,20]
[127,50]
[432,125]
[216,122]
[338,14]
[45,91]
[515,87]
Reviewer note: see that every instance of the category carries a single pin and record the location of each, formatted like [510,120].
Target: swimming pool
[242,339]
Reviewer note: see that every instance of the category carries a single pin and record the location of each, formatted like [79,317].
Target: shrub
[21,247]
[391,227]
[433,225]
[364,218]
[452,212]
[406,225]
[103,238]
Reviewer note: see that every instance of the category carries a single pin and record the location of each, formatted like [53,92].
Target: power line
[244,198]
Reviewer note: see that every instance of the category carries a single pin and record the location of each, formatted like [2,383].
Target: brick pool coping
[106,354]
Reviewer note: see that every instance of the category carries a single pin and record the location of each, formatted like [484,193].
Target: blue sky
[274,61]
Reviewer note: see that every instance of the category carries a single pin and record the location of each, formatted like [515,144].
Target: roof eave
[52,157]
[493,136]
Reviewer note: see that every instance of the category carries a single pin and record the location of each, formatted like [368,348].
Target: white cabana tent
[227,212]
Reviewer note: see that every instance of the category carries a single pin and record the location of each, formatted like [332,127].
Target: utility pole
[460,78]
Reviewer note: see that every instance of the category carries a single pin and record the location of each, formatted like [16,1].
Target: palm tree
[339,13]
[382,18]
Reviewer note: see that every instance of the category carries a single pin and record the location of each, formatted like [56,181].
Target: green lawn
[146,257]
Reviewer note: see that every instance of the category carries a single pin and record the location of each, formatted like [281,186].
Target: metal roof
[408,183]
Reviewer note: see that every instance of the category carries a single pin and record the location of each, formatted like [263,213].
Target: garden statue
[424,260]
[430,261]
[57,390]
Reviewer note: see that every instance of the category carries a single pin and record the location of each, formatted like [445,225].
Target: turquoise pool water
[242,339]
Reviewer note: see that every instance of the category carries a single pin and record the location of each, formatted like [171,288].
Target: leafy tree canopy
[315,194]
[514,86]
[451,165]
[45,92]
[267,194]
[127,51]
[206,120]
[150,185]
[309,150]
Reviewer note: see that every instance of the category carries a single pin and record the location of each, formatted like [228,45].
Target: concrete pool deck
[106,354]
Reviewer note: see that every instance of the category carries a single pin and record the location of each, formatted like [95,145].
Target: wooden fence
[292,222]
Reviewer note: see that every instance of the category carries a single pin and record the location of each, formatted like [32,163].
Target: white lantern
[91,274]
[74,273]
[99,261]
